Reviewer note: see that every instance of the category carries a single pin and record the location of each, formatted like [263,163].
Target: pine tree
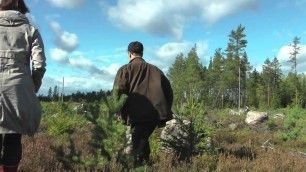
[232,67]
[293,60]
[50,93]
[294,53]
[245,69]
[176,75]
[303,91]
[277,74]
[55,95]
[194,75]
[252,86]
[215,72]
[271,78]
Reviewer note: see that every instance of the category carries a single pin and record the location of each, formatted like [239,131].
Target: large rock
[173,129]
[255,117]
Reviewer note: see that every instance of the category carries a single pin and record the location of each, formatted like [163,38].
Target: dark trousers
[11,149]
[141,133]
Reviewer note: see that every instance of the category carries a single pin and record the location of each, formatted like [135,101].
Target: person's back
[149,92]
[22,67]
[149,99]
[20,44]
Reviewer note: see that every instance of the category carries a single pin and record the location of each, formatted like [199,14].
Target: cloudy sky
[86,40]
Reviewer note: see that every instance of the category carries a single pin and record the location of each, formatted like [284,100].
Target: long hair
[17,5]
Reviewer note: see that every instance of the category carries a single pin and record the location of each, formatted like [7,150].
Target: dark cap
[135,47]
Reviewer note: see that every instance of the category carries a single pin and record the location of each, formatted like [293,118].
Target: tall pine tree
[293,60]
[235,77]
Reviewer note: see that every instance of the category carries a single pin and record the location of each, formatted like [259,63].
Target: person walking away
[149,100]
[22,67]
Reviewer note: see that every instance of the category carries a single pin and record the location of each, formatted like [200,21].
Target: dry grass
[240,150]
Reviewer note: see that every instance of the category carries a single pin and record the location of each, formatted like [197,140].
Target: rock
[278,116]
[232,126]
[173,129]
[254,117]
[129,145]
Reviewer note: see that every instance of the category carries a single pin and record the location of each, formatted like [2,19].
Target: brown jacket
[149,92]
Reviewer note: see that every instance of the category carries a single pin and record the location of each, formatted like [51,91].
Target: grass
[240,148]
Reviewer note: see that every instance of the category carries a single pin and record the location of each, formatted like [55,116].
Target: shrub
[194,134]
[294,125]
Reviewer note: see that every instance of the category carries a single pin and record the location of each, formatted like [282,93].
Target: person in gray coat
[22,67]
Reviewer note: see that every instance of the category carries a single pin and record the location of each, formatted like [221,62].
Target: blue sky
[86,40]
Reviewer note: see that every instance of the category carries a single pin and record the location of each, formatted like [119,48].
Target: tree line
[54,94]
[228,81]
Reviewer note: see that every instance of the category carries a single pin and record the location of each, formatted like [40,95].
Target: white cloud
[164,18]
[172,49]
[258,68]
[284,54]
[112,69]
[59,55]
[82,63]
[81,83]
[202,50]
[51,17]
[73,83]
[70,4]
[80,74]
[68,40]
[165,55]
[48,82]
[75,61]
[63,39]
[100,76]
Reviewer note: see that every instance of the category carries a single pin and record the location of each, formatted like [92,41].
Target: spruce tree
[194,75]
[176,76]
[252,86]
[271,78]
[215,73]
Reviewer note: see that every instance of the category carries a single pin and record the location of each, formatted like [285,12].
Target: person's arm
[120,83]
[119,88]
[38,60]
[167,90]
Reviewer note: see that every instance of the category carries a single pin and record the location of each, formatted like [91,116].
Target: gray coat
[22,67]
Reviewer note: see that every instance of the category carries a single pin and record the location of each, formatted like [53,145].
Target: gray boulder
[255,117]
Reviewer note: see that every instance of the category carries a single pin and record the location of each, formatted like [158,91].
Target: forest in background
[228,75]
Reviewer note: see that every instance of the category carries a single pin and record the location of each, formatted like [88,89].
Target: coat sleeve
[121,82]
[38,60]
[121,87]
[167,90]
